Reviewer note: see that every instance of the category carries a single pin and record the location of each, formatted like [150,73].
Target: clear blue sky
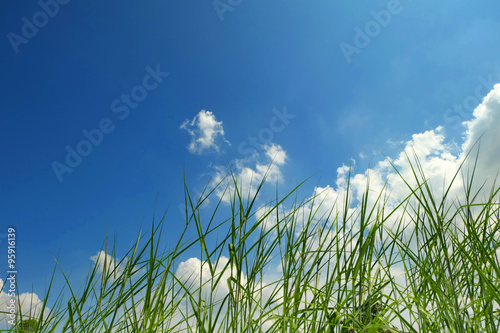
[73,72]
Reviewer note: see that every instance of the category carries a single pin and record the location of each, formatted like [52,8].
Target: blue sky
[428,64]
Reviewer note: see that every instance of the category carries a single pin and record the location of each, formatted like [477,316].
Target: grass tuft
[424,264]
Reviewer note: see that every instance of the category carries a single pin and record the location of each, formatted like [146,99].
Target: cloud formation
[430,156]
[29,304]
[250,172]
[485,126]
[204,130]
[426,157]
[108,263]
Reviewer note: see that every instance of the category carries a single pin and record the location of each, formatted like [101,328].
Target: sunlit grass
[428,264]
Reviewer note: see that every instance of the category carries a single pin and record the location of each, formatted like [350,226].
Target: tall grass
[427,264]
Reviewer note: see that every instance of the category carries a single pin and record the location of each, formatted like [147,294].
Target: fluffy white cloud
[217,284]
[192,272]
[428,155]
[275,153]
[485,128]
[106,262]
[267,215]
[248,177]
[204,130]
[29,304]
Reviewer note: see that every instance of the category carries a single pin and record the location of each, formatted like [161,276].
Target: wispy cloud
[205,131]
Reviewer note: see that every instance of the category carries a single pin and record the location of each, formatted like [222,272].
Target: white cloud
[29,304]
[250,172]
[106,262]
[428,157]
[485,126]
[197,277]
[192,272]
[204,130]
[268,216]
[275,153]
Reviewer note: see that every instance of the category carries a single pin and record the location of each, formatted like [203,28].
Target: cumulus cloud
[250,172]
[29,304]
[429,155]
[205,131]
[485,126]
[217,283]
[428,158]
[276,153]
[434,159]
[268,215]
[109,264]
[193,271]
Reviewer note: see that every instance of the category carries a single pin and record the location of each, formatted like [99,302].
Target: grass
[426,264]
